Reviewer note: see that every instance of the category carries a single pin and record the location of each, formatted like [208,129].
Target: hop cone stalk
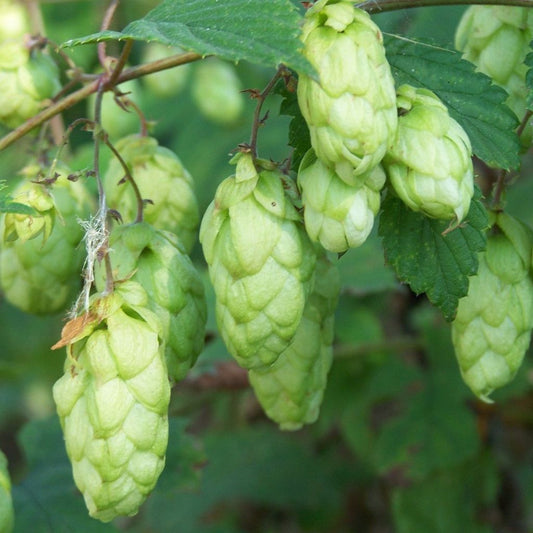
[351,112]
[112,402]
[291,389]
[27,80]
[7,517]
[41,255]
[429,161]
[496,39]
[162,179]
[338,215]
[492,329]
[260,260]
[157,261]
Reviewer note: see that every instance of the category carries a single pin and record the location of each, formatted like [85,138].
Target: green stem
[380,6]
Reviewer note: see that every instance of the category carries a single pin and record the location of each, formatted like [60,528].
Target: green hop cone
[429,162]
[157,261]
[162,179]
[112,402]
[27,80]
[291,389]
[496,39]
[7,516]
[338,215]
[260,260]
[492,329]
[13,21]
[43,275]
[169,82]
[351,113]
[216,90]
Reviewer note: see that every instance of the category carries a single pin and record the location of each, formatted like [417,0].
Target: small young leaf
[266,33]
[472,100]
[427,257]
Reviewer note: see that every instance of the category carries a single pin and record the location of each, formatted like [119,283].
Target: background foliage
[401,444]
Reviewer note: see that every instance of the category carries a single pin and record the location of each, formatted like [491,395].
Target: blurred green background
[401,444]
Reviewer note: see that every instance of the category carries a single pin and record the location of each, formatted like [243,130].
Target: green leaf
[427,257]
[299,137]
[448,502]
[472,100]
[266,33]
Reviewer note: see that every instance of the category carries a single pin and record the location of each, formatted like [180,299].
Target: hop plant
[429,162]
[162,179]
[260,261]
[157,260]
[351,112]
[496,39]
[216,90]
[41,255]
[291,389]
[27,80]
[492,329]
[338,215]
[6,503]
[112,402]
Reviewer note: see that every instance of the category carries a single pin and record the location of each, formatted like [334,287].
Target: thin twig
[106,22]
[380,6]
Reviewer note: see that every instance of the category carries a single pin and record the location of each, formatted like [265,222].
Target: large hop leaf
[43,275]
[338,215]
[6,502]
[496,39]
[112,402]
[156,259]
[351,112]
[291,389]
[162,179]
[492,329]
[429,161]
[260,261]
[27,80]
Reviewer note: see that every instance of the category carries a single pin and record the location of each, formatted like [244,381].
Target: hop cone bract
[41,256]
[492,329]
[496,39]
[162,179]
[429,161]
[156,259]
[112,402]
[291,389]
[351,112]
[260,261]
[338,215]
[27,80]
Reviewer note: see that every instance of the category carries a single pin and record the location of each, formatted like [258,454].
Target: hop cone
[492,329]
[112,402]
[156,259]
[496,39]
[7,517]
[351,113]
[13,21]
[338,215]
[291,389]
[41,256]
[27,80]
[162,179]
[216,90]
[429,161]
[260,262]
